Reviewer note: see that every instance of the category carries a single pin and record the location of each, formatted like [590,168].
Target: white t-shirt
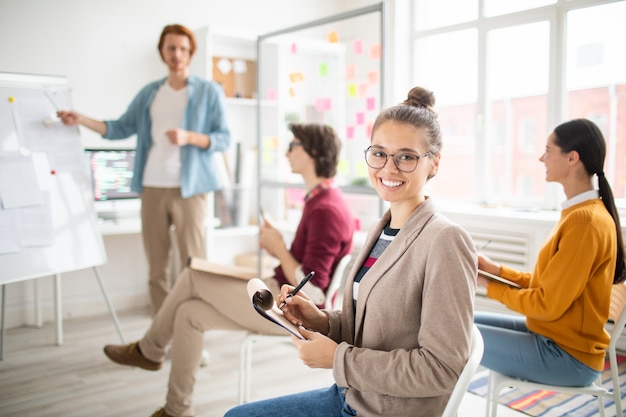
[163,164]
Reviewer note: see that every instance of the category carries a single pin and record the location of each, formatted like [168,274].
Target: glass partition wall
[328,71]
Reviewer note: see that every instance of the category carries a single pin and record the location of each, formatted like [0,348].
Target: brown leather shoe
[161,413]
[131,356]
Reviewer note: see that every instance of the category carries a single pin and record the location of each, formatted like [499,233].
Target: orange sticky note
[350,72]
[296,77]
[292,92]
[373,77]
[333,36]
[376,51]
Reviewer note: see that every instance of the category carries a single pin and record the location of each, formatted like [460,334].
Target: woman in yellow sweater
[565,300]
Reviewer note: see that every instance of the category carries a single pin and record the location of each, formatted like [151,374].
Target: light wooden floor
[40,379]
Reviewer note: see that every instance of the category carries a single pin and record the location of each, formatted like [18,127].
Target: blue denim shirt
[204,114]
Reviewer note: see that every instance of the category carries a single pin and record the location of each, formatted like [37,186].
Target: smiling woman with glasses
[408,296]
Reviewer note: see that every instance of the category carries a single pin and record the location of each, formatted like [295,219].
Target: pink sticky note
[350,132]
[360,118]
[358,46]
[272,94]
[323,104]
[294,48]
[370,127]
[370,103]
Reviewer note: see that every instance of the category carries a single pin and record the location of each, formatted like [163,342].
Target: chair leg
[245,369]
[491,410]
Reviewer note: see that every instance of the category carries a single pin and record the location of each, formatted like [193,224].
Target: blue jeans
[325,402]
[511,349]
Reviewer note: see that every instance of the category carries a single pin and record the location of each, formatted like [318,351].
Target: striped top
[384,240]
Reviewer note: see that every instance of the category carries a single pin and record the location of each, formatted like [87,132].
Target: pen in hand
[298,288]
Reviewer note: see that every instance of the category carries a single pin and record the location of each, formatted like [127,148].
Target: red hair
[178,30]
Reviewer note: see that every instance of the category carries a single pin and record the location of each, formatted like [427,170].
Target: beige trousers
[160,209]
[198,302]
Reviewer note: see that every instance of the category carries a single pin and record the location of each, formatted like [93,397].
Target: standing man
[180,125]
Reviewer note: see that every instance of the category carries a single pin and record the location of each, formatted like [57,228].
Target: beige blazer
[401,352]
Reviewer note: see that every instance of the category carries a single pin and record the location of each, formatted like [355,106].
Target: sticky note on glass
[293,48]
[333,36]
[350,72]
[323,69]
[323,104]
[360,117]
[373,77]
[363,90]
[343,167]
[376,51]
[351,90]
[370,103]
[350,132]
[357,46]
[296,77]
[271,94]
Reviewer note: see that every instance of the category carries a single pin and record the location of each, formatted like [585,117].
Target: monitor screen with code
[111,173]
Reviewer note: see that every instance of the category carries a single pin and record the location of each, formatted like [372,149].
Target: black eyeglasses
[405,162]
[293,144]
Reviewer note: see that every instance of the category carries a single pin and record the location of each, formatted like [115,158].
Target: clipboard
[275,315]
[497,278]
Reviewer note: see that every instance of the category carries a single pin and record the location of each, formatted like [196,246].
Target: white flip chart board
[48,224]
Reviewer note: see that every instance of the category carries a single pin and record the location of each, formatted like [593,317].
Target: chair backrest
[617,312]
[333,298]
[476,354]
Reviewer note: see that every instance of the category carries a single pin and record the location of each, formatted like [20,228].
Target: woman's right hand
[487,265]
[301,311]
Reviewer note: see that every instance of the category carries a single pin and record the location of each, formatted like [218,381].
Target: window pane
[517,86]
[596,80]
[437,13]
[499,7]
[453,79]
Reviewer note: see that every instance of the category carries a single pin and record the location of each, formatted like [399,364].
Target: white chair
[497,381]
[476,354]
[333,295]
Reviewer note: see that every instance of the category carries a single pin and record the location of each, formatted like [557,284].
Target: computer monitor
[111,174]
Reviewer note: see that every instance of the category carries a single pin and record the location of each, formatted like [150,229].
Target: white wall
[108,50]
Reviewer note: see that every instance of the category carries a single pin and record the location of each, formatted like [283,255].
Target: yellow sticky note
[11,99]
[351,90]
[333,37]
[343,167]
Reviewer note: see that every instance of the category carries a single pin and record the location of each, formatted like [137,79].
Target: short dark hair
[178,30]
[321,143]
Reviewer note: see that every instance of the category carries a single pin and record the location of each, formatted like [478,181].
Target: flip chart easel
[75,241]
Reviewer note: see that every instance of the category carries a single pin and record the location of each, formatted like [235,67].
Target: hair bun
[420,97]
